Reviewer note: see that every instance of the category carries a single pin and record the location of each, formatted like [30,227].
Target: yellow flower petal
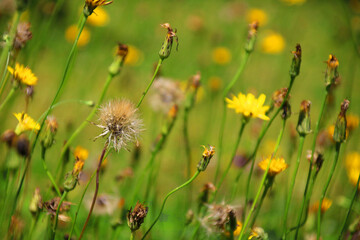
[26,123]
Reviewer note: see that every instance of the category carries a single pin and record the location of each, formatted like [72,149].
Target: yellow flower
[249,106]
[325,205]
[352,122]
[26,123]
[134,56]
[23,74]
[273,43]
[99,18]
[215,83]
[293,2]
[221,55]
[352,164]
[237,230]
[276,166]
[71,34]
[78,166]
[81,153]
[258,15]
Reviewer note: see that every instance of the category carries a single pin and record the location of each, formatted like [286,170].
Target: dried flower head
[136,216]
[166,93]
[120,121]
[168,42]
[249,106]
[52,205]
[23,34]
[279,95]
[23,75]
[219,217]
[90,5]
[277,165]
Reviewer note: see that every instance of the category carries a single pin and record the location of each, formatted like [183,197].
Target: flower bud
[48,137]
[340,125]
[331,73]
[251,39]
[304,123]
[136,216]
[168,42]
[71,179]
[121,53]
[296,61]
[22,145]
[9,136]
[90,6]
[206,157]
[36,203]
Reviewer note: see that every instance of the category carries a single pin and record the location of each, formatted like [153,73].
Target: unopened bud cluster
[304,123]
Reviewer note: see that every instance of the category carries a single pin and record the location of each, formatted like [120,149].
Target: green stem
[266,189]
[96,189]
[242,127]
[57,213]
[262,135]
[79,205]
[223,119]
[338,144]
[48,172]
[166,197]
[187,143]
[5,75]
[349,210]
[33,225]
[316,132]
[288,200]
[132,235]
[151,82]
[8,97]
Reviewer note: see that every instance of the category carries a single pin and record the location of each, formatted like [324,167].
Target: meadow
[179,119]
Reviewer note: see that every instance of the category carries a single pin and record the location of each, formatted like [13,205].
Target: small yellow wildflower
[249,106]
[258,15]
[134,56]
[325,205]
[23,74]
[215,83]
[237,230]
[332,62]
[294,2]
[352,165]
[71,34]
[78,166]
[221,55]
[276,166]
[352,122]
[81,153]
[26,123]
[273,43]
[99,18]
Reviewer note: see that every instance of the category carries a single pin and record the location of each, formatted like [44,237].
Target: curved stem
[166,197]
[48,172]
[316,132]
[288,200]
[151,82]
[349,210]
[57,213]
[262,135]
[325,189]
[96,190]
[79,205]
[223,119]
[8,97]
[243,123]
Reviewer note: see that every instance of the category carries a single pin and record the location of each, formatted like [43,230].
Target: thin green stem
[57,213]
[288,200]
[166,197]
[349,210]
[151,82]
[187,143]
[262,135]
[132,235]
[43,151]
[242,127]
[266,189]
[79,205]
[223,119]
[8,97]
[4,75]
[337,151]
[316,132]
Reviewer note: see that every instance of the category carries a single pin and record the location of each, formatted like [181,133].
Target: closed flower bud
[340,125]
[296,61]
[9,136]
[90,6]
[304,123]
[206,157]
[48,137]
[251,39]
[168,42]
[22,145]
[318,160]
[36,203]
[121,53]
[331,73]
[136,216]
[71,179]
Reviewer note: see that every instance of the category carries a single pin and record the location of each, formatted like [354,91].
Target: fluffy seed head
[120,121]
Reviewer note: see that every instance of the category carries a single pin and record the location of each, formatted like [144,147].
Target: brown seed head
[279,95]
[23,34]
[136,216]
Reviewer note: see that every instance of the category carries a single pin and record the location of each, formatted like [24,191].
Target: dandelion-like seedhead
[120,121]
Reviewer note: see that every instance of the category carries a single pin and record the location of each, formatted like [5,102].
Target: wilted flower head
[136,216]
[168,42]
[317,159]
[23,75]
[120,121]
[219,217]
[52,205]
[249,106]
[23,34]
[26,123]
[90,5]
[166,93]
[279,96]
[276,166]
